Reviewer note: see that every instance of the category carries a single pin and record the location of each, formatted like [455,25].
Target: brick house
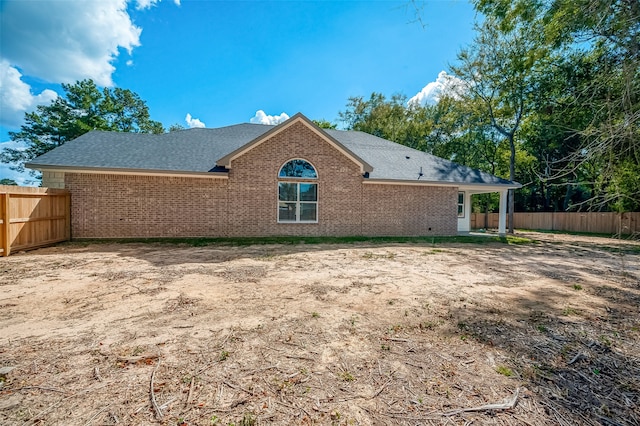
[258,180]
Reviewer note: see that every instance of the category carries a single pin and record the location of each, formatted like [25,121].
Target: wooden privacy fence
[600,223]
[33,217]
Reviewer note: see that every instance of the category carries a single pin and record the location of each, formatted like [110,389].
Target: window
[297,198]
[297,169]
[460,204]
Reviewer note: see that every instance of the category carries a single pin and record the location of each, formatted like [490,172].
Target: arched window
[298,169]
[297,193]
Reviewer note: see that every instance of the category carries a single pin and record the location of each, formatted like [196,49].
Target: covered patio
[464,205]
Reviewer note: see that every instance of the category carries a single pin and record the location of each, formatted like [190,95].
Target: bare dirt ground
[134,334]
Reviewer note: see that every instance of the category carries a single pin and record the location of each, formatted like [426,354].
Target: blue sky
[218,63]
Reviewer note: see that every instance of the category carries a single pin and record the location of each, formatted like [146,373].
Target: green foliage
[624,186]
[583,126]
[347,376]
[176,127]
[504,370]
[6,181]
[550,98]
[82,108]
[324,124]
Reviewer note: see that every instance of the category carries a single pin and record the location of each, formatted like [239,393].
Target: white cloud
[60,42]
[445,84]
[65,41]
[262,118]
[146,4]
[193,122]
[16,97]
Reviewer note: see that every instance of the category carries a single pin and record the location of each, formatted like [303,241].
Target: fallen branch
[576,358]
[166,404]
[190,395]
[505,406]
[380,390]
[96,415]
[299,357]
[156,408]
[44,388]
[238,387]
[135,359]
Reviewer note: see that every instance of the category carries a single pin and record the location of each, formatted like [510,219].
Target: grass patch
[347,376]
[568,311]
[505,371]
[584,234]
[293,240]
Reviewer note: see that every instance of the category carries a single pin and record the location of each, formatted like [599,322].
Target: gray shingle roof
[196,150]
[193,150]
[398,162]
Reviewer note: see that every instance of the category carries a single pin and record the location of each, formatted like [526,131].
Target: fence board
[593,222]
[33,217]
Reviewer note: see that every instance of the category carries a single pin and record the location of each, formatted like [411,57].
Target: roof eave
[125,171]
[491,187]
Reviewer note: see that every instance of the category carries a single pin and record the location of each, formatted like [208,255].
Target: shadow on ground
[583,364]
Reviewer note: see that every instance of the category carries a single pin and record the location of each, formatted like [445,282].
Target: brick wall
[253,187]
[246,204]
[409,210]
[110,206]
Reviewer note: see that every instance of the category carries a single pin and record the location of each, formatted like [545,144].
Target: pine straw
[282,373]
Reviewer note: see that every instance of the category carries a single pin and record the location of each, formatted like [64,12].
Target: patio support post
[502,221]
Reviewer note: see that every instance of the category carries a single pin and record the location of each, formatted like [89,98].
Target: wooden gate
[33,217]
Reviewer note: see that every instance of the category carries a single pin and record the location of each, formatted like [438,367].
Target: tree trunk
[486,214]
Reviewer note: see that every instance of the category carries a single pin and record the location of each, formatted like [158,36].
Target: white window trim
[297,181]
[297,203]
[464,195]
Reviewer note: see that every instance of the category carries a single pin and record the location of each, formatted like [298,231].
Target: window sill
[292,222]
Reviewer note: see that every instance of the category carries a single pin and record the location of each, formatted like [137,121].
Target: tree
[498,69]
[391,119]
[176,127]
[84,107]
[6,181]
[596,107]
[324,124]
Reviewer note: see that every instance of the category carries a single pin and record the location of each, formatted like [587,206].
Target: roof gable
[298,118]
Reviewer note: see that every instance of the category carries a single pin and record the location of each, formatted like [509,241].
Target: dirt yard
[544,333]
